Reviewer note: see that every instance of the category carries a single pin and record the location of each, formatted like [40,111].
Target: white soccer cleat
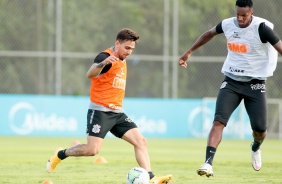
[256,159]
[205,169]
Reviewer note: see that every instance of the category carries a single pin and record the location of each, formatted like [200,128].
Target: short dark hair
[127,34]
[244,3]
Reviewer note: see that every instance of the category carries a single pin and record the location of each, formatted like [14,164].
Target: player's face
[244,16]
[124,49]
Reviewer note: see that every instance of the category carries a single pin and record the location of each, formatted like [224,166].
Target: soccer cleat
[53,161]
[205,169]
[256,159]
[161,179]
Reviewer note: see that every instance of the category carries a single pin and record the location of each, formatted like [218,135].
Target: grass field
[23,161]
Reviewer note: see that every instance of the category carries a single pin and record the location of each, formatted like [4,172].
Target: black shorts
[231,94]
[99,123]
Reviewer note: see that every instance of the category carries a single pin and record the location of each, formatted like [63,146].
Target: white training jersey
[247,55]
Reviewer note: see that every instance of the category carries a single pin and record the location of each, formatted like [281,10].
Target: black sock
[151,174]
[255,146]
[62,154]
[210,152]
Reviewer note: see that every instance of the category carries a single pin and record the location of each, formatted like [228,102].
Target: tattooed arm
[102,63]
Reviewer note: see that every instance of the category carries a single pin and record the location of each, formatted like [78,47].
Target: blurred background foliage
[47,46]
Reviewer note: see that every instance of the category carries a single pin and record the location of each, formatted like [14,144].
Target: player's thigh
[227,101]
[256,108]
[94,143]
[134,137]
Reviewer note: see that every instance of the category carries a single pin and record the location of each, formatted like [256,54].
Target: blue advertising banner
[38,115]
[43,115]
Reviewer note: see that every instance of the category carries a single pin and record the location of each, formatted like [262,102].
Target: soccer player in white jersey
[252,57]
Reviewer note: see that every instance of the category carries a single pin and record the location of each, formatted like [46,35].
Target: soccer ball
[137,175]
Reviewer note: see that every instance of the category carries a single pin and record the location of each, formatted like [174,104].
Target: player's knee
[142,142]
[259,133]
[92,152]
[259,130]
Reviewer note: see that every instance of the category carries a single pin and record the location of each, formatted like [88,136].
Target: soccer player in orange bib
[108,76]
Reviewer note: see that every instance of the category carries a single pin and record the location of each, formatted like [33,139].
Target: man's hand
[182,60]
[108,60]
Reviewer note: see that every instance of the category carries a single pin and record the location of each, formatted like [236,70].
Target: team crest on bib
[223,85]
[96,128]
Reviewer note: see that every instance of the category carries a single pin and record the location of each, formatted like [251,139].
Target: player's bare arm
[96,68]
[278,47]
[204,38]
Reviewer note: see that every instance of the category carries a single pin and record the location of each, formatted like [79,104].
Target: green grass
[23,160]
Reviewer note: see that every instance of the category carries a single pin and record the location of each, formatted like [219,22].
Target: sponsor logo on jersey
[239,47]
[236,35]
[235,70]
